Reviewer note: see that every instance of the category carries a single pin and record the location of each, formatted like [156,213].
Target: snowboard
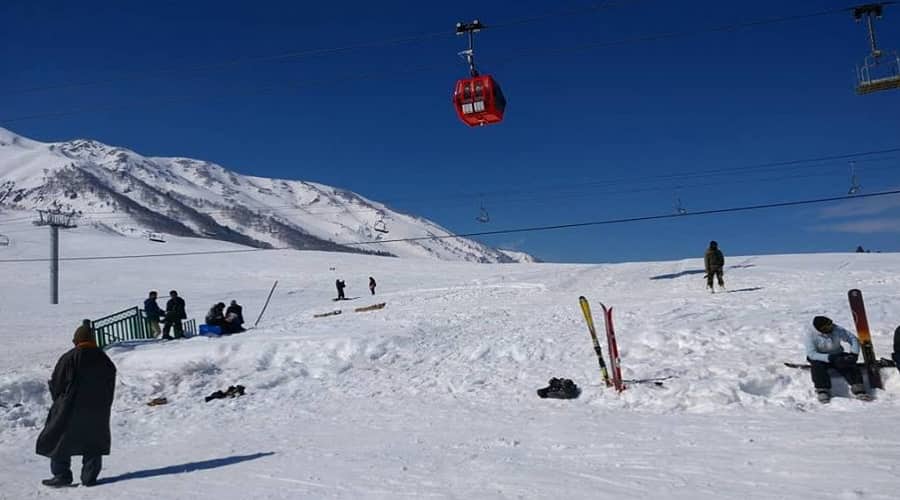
[865,337]
[881,363]
[613,349]
[330,313]
[373,307]
[589,319]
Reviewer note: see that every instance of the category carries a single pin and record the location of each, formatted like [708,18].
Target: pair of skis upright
[616,380]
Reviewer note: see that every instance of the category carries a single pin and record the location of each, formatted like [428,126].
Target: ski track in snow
[433,396]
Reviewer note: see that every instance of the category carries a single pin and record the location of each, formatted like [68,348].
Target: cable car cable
[381,74]
[625,220]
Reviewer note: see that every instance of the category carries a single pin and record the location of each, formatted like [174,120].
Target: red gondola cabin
[479,101]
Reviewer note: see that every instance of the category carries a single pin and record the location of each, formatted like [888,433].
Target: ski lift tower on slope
[879,70]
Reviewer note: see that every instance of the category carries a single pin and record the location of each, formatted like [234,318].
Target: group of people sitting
[230,320]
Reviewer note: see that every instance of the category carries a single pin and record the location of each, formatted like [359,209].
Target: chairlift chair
[483,217]
[854,184]
[880,70]
[380,226]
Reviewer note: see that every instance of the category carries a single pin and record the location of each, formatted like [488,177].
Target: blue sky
[590,134]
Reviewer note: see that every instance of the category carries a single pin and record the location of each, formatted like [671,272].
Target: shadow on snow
[696,271]
[182,468]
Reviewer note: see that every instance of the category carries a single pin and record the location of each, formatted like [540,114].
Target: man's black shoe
[57,482]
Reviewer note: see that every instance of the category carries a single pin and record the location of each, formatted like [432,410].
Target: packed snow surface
[434,395]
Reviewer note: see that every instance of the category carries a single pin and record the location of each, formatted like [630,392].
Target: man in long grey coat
[82,388]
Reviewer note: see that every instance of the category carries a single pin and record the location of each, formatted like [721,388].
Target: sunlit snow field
[434,395]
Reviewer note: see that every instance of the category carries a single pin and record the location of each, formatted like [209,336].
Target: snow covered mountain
[130,194]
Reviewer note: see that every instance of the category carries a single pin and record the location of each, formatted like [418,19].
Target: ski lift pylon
[880,70]
[478,100]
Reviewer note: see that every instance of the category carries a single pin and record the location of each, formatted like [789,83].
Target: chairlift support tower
[55,219]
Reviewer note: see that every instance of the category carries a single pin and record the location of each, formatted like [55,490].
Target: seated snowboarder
[216,315]
[237,310]
[824,351]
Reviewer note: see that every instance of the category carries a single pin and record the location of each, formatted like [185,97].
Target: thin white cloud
[864,206]
[884,225]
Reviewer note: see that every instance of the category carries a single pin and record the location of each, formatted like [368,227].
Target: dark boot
[58,482]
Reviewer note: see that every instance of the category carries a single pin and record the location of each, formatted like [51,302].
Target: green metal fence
[130,324]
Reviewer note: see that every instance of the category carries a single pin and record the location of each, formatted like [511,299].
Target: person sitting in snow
[216,315]
[235,312]
[824,351]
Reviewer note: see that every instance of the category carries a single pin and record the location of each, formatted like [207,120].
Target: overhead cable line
[530,229]
[639,219]
[300,54]
[529,53]
[813,162]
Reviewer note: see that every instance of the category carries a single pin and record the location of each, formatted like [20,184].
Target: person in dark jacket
[216,315]
[82,387]
[372,285]
[339,284]
[175,312]
[153,313]
[238,312]
[714,262]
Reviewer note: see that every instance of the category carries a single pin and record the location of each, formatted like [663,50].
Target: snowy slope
[131,194]
[433,396]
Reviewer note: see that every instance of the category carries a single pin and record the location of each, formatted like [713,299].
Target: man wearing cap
[82,388]
[824,351]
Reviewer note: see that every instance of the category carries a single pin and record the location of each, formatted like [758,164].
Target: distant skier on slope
[714,263]
[339,284]
[372,285]
[824,351]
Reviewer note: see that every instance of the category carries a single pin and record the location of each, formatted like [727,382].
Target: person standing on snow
[714,262]
[82,387]
[175,312]
[153,313]
[340,289]
[372,285]
[824,351]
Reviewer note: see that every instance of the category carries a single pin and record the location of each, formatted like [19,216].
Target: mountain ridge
[123,191]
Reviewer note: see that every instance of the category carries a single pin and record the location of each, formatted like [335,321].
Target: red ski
[865,337]
[613,349]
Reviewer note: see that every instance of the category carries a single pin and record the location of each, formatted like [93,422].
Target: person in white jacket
[824,350]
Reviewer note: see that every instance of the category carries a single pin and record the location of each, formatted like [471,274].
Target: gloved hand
[843,359]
